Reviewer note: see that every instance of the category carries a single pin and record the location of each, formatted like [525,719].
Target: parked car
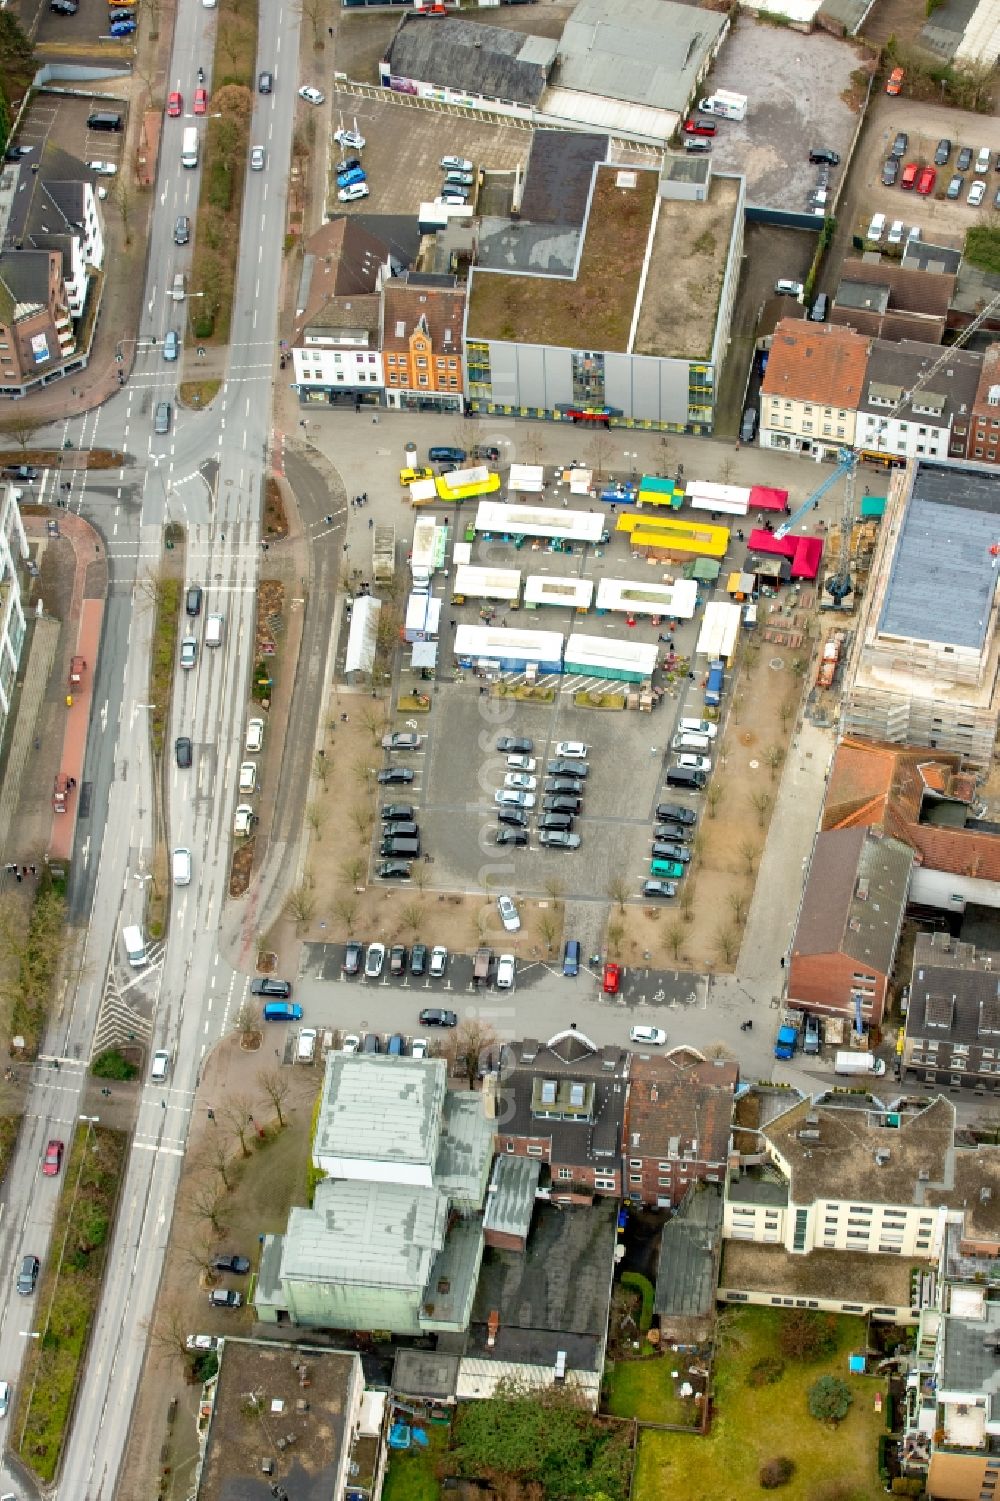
[561,803]
[651,1036]
[658,889]
[103,169]
[509,797]
[397,959]
[52,1161]
[894,83]
[515,746]
[514,818]
[455,164]
[353,953]
[521,763]
[394,870]
[374,960]
[349,140]
[255,736]
[267,985]
[895,235]
[786,288]
[556,785]
[982,160]
[963,160]
[559,839]
[418,959]
[676,831]
[238,1264]
[419,1047]
[505,972]
[697,125]
[909,177]
[926,181]
[349,164]
[508,914]
[976,194]
[943,152]
[572,750]
[556,821]
[824,154]
[677,812]
[810,1034]
[458,180]
[955,186]
[579,771]
[666,849]
[225,1297]
[520,781]
[311,95]
[571,958]
[900,144]
[354,193]
[439,961]
[890,171]
[433,1016]
[394,776]
[611,980]
[512,836]
[398,813]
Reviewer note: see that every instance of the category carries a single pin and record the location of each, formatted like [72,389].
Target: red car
[175,105]
[909,176]
[612,982]
[200,101]
[52,1161]
[926,181]
[698,127]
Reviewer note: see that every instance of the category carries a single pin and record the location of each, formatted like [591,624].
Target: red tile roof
[404,306]
[680,1100]
[816,362]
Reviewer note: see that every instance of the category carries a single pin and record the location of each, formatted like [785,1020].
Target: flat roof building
[924,660]
[508,649]
[604,657]
[538,521]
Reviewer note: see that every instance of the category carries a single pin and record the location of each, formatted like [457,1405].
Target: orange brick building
[422,320]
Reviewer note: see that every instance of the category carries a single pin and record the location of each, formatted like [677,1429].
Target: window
[509,1146]
[635,1177]
[534,1150]
[607,1185]
[565,1172]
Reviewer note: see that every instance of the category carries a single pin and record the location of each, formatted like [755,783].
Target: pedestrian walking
[17,873]
[781,961]
[371,522]
[328,520]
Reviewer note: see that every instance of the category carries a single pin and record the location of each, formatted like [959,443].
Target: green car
[671,869]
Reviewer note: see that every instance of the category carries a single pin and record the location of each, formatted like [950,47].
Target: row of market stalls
[505,649]
[673,598]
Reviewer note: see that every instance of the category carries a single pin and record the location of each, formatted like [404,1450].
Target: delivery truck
[858,1063]
[189,147]
[715,683]
[725,104]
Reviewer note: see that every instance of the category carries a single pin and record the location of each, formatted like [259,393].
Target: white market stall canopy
[362,637]
[734,500]
[488,583]
[527,477]
[461,553]
[606,656]
[499,643]
[719,630]
[647,598]
[571,594]
[537,521]
[423,492]
[580,481]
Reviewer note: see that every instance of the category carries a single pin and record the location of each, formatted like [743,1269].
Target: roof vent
[882,1156]
[808,1136]
[923,1175]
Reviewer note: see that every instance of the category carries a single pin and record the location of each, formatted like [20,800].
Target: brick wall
[825,981]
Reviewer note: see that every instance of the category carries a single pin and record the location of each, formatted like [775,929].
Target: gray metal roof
[379,1107]
[971,1356]
[559,175]
[465,1147]
[512,245]
[369,1234]
[943,579]
[685,1275]
[511,1199]
[472,57]
[425,1373]
[954,993]
[643,51]
[854,897]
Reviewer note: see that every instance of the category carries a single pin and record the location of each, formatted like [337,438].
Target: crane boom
[845,462]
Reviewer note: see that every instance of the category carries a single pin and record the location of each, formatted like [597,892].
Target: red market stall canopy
[803,553]
[763,498]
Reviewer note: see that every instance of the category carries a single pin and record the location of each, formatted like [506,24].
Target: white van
[181,866]
[214,626]
[876,228]
[248,776]
[135,946]
[160,1067]
[177,292]
[698,727]
[306,1049]
[686,742]
[690,762]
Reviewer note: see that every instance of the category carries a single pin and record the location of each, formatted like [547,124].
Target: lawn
[645,1389]
[753,1424]
[412,1473]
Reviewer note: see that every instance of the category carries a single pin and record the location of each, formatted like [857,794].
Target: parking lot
[404,144]
[61,123]
[85,34]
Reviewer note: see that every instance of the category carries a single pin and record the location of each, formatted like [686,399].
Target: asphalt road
[206,472]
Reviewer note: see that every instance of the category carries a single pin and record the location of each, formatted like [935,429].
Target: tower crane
[839,583]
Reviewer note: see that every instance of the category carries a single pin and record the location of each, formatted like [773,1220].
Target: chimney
[492,1328]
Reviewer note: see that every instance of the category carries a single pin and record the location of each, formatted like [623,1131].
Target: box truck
[189,147]
[725,104]
[716,683]
[858,1063]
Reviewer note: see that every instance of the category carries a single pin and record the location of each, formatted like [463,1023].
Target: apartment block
[812,387]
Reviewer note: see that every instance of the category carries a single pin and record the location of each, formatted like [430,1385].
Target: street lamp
[630,459]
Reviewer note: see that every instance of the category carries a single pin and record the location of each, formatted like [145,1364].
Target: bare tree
[739,904]
[618,891]
[237,1112]
[246,1022]
[749,854]
[321,769]
[314,11]
[316,815]
[362,818]
[786,712]
[737,709]
[200,1253]
[614,934]
[123,203]
[169,1330]
[420,875]
[275,1085]
[352,869]
[713,795]
[726,471]
[599,452]
[375,722]
[20,429]
[774,755]
[554,888]
[345,910]
[471,1039]
[727,944]
[686,901]
[411,917]
[300,906]
[548,926]
[363,772]
[762,806]
[675,940]
[219,1159]
[204,1201]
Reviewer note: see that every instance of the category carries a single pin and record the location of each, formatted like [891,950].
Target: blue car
[571,957]
[348,179]
[122,28]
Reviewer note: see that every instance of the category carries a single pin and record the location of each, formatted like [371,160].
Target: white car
[786,288]
[255,735]
[189,652]
[698,727]
[655,1036]
[351,140]
[976,194]
[103,169]
[895,235]
[507,797]
[453,200]
[312,96]
[351,1043]
[571,750]
[876,228]
[257,158]
[374,960]
[419,1047]
[4,1398]
[439,961]
[455,164]
[353,193]
[520,781]
[521,763]
[505,972]
[689,762]
[243,819]
[508,914]
[202,1341]
[248,776]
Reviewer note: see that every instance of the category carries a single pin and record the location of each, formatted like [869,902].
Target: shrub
[830,1399]
[112,1064]
[642,1285]
[767,1371]
[775,1472]
[807,1335]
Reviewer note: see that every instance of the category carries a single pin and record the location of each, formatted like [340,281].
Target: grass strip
[69,1295]
[164,657]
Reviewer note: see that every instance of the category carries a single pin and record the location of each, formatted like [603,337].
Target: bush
[767,1371]
[775,1472]
[112,1064]
[830,1399]
[807,1335]
[642,1285]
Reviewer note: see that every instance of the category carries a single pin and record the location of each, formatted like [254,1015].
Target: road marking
[152,1146]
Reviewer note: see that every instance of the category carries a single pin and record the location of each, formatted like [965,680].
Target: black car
[266,986]
[512,836]
[676,831]
[514,818]
[352,957]
[418,959]
[824,154]
[183,751]
[659,888]
[943,152]
[349,164]
[964,159]
[28,1275]
[64,7]
[579,770]
[394,870]
[666,849]
[890,171]
[561,803]
[562,821]
[433,1016]
[900,144]
[676,812]
[397,959]
[121,15]
[370,1043]
[192,600]
[561,784]
[238,1264]
[265,83]
[397,813]
[515,747]
[395,776]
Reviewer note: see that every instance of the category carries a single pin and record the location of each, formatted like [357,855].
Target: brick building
[952,1034]
[983,444]
[812,387]
[422,320]
[678,1114]
[563,1102]
[848,925]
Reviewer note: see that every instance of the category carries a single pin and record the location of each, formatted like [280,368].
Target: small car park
[52,1161]
[266,985]
[508,914]
[651,1036]
[374,960]
[183,753]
